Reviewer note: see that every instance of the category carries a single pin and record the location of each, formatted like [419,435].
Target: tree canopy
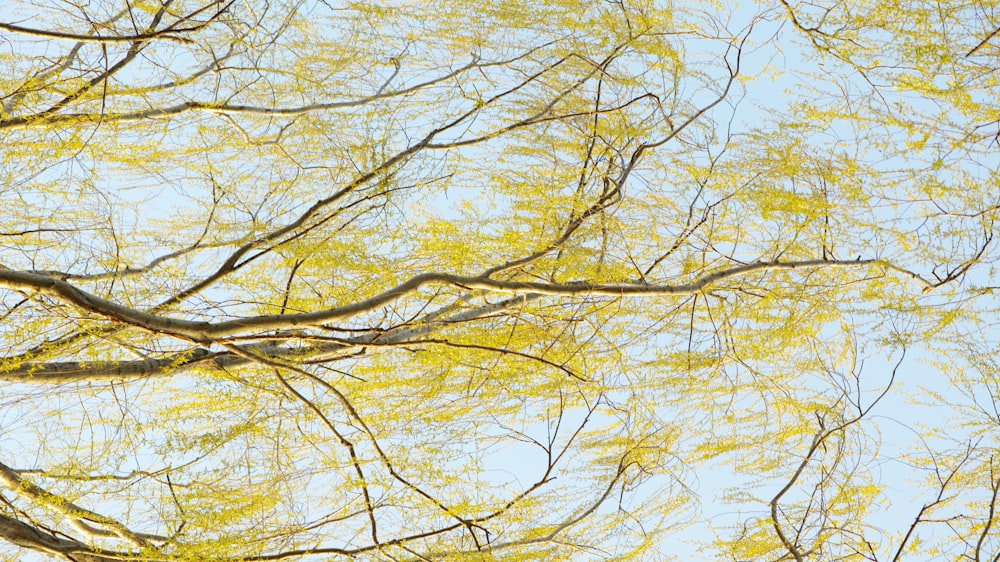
[477,280]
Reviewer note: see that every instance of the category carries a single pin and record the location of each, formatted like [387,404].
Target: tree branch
[204,332]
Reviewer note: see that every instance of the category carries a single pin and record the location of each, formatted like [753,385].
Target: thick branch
[205,332]
[26,536]
[79,517]
[60,372]
[167,34]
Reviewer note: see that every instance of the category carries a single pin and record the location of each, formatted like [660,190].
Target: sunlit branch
[81,519]
[209,331]
[329,349]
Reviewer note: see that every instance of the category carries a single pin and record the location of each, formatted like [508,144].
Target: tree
[293,279]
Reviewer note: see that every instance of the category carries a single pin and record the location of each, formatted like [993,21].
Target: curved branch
[60,372]
[165,34]
[79,518]
[204,332]
[27,536]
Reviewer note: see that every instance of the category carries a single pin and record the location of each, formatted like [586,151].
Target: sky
[893,419]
